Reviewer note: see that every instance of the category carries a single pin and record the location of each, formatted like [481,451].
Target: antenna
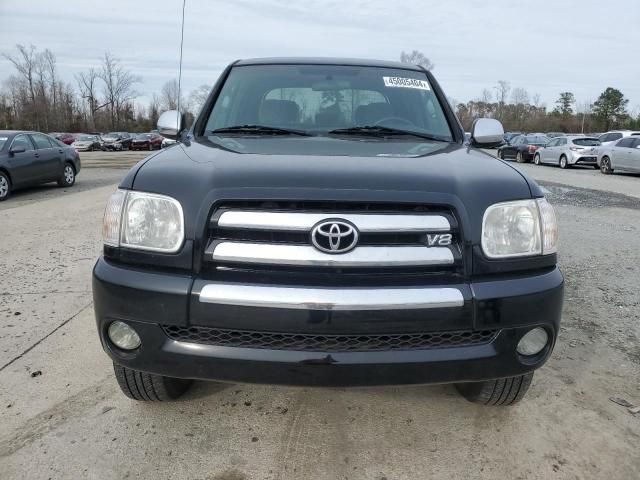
[184,2]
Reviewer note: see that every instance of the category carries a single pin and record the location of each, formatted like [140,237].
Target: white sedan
[623,155]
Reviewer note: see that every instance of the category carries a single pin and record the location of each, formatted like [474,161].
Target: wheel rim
[605,164]
[563,162]
[4,187]
[536,159]
[68,174]
[519,157]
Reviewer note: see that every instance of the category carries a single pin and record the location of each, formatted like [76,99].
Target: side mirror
[17,149]
[486,133]
[170,124]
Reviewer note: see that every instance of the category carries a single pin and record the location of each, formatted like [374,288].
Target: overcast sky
[544,46]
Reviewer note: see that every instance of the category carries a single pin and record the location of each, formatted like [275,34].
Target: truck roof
[360,62]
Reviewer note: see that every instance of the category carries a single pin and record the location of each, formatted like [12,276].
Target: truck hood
[466,179]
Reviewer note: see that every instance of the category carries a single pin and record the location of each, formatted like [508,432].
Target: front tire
[536,159]
[68,177]
[499,392]
[148,386]
[519,157]
[605,165]
[500,155]
[5,186]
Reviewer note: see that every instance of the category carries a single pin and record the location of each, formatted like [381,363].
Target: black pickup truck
[323,223]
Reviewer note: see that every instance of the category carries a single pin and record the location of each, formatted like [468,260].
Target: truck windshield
[326,100]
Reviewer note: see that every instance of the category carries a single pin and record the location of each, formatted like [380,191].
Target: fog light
[533,341]
[123,336]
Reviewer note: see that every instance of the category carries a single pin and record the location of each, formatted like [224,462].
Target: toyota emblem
[334,236]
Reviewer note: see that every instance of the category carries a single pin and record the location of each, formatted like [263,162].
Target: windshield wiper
[378,130]
[260,130]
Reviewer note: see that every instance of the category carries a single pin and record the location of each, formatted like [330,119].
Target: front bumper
[149,301]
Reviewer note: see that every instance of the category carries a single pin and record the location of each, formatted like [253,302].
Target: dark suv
[323,224]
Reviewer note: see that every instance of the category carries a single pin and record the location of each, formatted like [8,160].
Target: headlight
[144,221]
[549,227]
[519,228]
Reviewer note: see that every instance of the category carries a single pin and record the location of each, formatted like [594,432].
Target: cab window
[22,141]
[41,141]
[625,142]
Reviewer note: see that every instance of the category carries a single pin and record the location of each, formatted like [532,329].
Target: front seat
[279,112]
[372,113]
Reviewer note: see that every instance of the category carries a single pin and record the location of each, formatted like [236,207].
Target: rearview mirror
[17,149]
[170,124]
[487,133]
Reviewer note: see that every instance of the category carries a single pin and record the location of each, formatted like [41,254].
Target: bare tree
[584,110]
[25,63]
[48,60]
[88,86]
[197,98]
[169,96]
[520,100]
[535,100]
[486,95]
[416,58]
[118,88]
[154,110]
[502,92]
[520,96]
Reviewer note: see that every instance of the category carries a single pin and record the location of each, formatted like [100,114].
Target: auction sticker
[403,82]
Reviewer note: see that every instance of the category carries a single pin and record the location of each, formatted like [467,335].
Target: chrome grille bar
[303,221]
[331,298]
[303,255]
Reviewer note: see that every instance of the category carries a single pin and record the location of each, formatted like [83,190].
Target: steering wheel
[397,120]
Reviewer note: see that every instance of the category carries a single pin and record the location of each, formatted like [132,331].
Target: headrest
[279,112]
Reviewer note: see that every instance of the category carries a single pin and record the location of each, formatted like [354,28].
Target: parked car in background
[117,141]
[87,143]
[510,136]
[66,138]
[167,142]
[623,155]
[611,137]
[554,134]
[32,158]
[146,141]
[569,150]
[522,148]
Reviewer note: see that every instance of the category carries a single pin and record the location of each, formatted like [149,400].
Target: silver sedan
[569,150]
[623,155]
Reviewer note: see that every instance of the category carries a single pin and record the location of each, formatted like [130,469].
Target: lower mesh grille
[328,343]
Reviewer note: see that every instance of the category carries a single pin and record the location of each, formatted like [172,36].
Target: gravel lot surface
[62,415]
